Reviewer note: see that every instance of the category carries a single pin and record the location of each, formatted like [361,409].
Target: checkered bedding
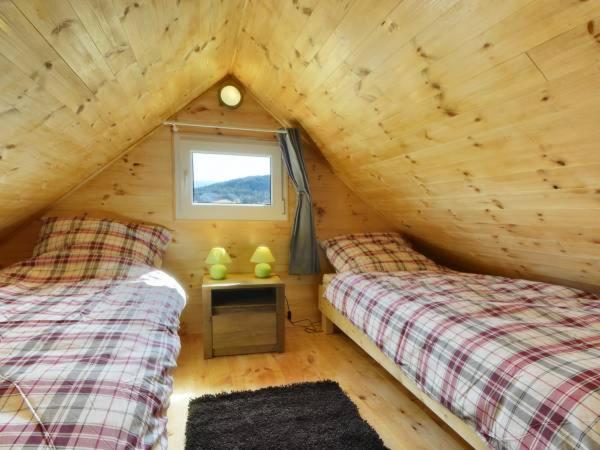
[519,360]
[375,252]
[143,243]
[87,342]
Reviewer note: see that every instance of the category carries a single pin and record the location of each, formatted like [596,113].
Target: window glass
[231,179]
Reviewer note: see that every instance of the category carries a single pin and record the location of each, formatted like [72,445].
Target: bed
[506,363]
[88,338]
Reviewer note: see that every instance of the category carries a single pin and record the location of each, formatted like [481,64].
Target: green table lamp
[217,258]
[262,256]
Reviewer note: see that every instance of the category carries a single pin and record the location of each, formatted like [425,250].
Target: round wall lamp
[230,95]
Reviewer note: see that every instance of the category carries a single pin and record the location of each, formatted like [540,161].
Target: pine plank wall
[139,187]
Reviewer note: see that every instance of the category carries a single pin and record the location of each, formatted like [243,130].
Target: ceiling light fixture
[230,95]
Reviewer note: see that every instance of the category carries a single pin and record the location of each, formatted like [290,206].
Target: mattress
[327,277]
[87,344]
[518,360]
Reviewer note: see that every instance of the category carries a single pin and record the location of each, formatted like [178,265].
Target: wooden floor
[399,419]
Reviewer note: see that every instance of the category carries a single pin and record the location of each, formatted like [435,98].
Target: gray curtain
[304,255]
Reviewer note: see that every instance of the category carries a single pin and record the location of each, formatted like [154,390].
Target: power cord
[309,326]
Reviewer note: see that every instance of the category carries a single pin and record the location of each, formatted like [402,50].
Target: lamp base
[262,270]
[218,271]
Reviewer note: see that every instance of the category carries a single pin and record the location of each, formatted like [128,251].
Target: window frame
[185,144]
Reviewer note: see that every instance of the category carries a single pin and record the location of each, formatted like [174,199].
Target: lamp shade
[230,96]
[218,255]
[262,254]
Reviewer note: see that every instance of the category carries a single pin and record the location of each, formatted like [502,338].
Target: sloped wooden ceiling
[472,124]
[82,80]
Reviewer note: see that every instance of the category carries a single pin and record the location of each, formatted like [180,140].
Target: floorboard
[401,421]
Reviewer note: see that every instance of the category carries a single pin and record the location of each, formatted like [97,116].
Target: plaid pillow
[143,243]
[43,272]
[375,252]
[380,237]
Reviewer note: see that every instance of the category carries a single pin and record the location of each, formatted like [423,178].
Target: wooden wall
[139,186]
[472,125]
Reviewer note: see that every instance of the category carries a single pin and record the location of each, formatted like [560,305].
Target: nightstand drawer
[242,331]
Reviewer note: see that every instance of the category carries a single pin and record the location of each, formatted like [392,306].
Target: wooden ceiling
[473,124]
[82,80]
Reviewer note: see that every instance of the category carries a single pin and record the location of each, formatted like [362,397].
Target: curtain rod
[175,124]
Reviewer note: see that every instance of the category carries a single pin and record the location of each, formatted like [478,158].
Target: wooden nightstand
[242,314]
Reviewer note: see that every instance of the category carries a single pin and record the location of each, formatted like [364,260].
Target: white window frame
[185,144]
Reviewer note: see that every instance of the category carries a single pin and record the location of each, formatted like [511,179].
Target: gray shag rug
[299,416]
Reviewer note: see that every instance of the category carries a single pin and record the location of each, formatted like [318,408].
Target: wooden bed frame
[333,318]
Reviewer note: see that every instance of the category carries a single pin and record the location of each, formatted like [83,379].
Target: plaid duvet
[519,360]
[87,342]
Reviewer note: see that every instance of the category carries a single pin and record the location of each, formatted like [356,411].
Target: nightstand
[242,314]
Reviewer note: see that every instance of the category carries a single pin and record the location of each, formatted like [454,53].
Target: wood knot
[62,26]
[450,112]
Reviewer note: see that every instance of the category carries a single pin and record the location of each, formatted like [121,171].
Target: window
[229,179]
[246,180]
